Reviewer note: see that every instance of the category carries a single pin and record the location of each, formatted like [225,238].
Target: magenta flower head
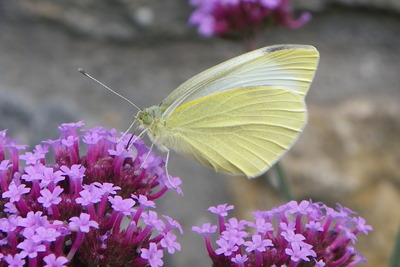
[294,234]
[242,18]
[93,205]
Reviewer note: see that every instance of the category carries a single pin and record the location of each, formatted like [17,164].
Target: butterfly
[238,117]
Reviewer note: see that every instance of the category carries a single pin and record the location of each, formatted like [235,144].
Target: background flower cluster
[243,18]
[294,234]
[91,206]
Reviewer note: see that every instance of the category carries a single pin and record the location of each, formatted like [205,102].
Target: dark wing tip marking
[275,48]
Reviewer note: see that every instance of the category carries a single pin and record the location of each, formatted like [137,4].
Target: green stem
[395,258]
[283,184]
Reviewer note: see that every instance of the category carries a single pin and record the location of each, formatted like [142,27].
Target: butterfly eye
[144,117]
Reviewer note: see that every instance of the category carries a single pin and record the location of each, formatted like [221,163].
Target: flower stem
[283,184]
[395,258]
[75,246]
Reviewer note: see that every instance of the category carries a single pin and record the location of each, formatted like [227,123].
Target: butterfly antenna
[108,88]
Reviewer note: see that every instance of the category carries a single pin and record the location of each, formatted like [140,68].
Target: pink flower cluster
[294,234]
[93,205]
[242,18]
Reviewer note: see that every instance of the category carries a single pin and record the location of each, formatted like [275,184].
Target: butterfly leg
[125,133]
[165,149]
[166,168]
[147,155]
[130,142]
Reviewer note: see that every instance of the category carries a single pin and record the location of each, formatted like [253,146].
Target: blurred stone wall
[136,20]
[349,152]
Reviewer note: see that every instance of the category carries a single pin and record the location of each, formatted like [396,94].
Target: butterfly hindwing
[237,131]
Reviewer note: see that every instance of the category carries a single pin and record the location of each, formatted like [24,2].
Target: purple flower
[15,192]
[144,201]
[292,237]
[294,234]
[316,226]
[151,219]
[89,206]
[82,223]
[233,223]
[45,234]
[240,259]
[49,198]
[124,206]
[30,248]
[319,263]
[361,226]
[51,177]
[153,255]
[76,171]
[88,197]
[205,229]
[9,224]
[169,242]
[172,224]
[16,260]
[33,220]
[298,252]
[291,226]
[53,261]
[238,236]
[5,165]
[262,226]
[258,244]
[10,208]
[33,173]
[221,210]
[243,18]
[226,247]
[31,158]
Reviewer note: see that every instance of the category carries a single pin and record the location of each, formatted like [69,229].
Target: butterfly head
[149,117]
[144,118]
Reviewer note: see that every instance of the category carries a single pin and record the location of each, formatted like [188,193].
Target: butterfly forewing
[289,67]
